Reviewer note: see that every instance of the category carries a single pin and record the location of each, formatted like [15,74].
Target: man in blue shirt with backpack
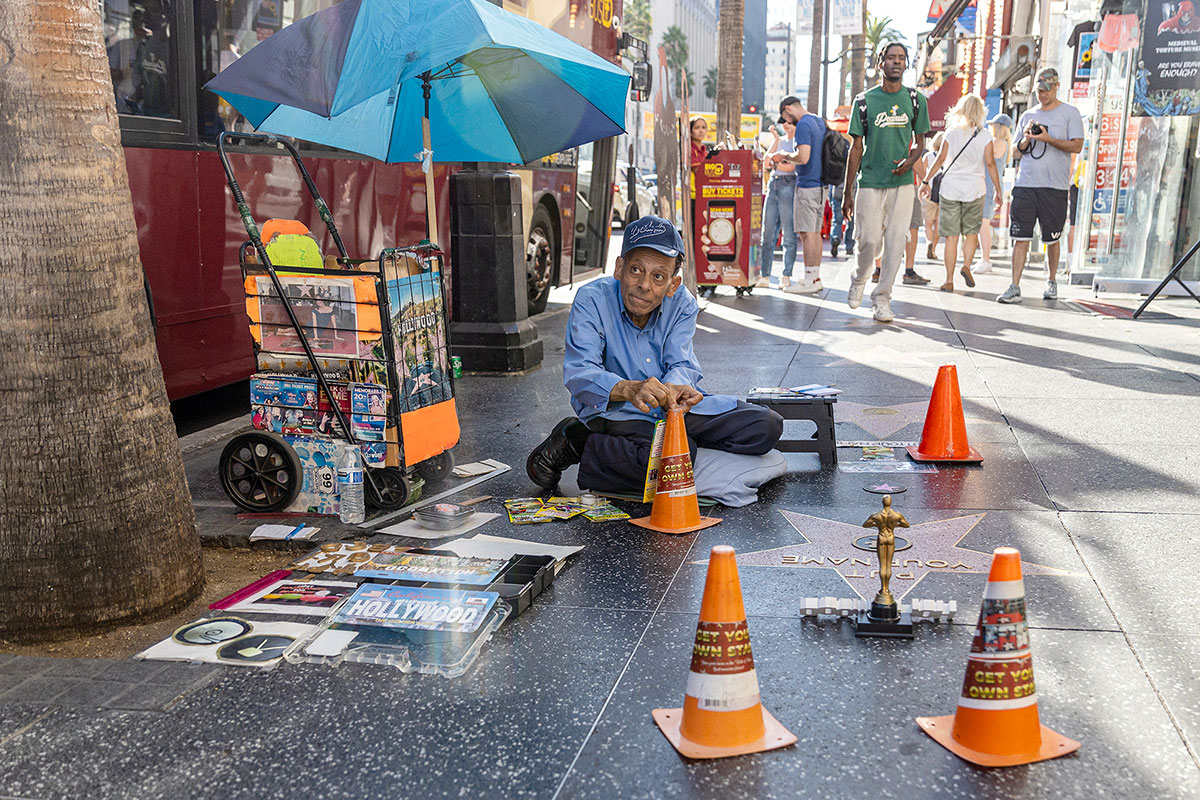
[808,210]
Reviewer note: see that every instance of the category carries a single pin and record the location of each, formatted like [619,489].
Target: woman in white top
[967,154]
[1002,145]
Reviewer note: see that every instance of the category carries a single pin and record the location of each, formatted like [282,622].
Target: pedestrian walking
[1001,127]
[888,126]
[929,206]
[1051,132]
[962,190]
[777,207]
[808,208]
[841,230]
[911,278]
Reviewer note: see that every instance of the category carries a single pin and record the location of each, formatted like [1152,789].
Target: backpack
[835,152]
[860,104]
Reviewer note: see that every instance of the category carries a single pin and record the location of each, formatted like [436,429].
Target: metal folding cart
[347,350]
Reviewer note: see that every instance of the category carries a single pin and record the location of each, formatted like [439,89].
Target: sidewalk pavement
[1086,423]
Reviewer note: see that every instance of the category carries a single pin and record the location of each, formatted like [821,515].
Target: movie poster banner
[1168,80]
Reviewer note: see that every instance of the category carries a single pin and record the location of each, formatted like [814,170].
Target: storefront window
[138,36]
[225,31]
[1139,199]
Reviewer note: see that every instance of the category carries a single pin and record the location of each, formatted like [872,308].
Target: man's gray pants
[881,218]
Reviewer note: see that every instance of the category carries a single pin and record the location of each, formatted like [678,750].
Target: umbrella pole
[431,230]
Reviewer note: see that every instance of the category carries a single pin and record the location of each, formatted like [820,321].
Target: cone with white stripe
[997,724]
[722,714]
[676,506]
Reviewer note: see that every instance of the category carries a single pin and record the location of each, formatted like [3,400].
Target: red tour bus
[160,54]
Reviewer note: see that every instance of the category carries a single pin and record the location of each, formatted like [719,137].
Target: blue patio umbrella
[486,84]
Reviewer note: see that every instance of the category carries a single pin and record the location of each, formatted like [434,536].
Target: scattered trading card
[525,511]
[604,513]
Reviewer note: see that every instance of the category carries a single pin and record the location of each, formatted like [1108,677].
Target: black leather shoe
[546,463]
[833,248]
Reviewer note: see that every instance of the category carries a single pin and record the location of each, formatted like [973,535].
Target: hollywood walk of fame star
[881,422]
[935,549]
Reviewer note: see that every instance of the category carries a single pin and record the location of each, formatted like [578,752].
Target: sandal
[946,287]
[967,276]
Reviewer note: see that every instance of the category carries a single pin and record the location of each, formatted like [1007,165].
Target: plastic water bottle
[351,508]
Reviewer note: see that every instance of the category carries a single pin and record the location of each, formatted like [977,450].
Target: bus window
[138,36]
[225,32]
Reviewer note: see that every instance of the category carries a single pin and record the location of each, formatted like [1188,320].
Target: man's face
[646,277]
[791,113]
[1046,96]
[893,62]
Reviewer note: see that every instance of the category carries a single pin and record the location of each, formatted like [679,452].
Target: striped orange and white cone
[676,506]
[722,713]
[997,724]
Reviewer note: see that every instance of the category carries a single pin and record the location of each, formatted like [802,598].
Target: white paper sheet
[483,546]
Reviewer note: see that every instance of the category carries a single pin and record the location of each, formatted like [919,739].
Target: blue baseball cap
[1002,119]
[653,232]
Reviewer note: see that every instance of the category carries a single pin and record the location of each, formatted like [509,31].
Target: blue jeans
[835,230]
[777,215]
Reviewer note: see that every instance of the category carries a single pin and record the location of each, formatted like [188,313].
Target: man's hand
[848,206]
[653,393]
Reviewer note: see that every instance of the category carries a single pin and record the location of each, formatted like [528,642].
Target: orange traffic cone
[676,508]
[996,724]
[722,714]
[944,437]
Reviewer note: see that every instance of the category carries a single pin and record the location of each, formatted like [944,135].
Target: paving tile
[36,690]
[1103,421]
[1008,378]
[1089,686]
[509,727]
[78,667]
[27,665]
[1173,663]
[147,697]
[94,693]
[131,671]
[1119,477]
[1145,563]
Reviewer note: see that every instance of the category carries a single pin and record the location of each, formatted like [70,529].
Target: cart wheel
[387,489]
[260,471]
[438,468]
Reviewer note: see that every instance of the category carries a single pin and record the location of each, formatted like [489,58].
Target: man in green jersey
[888,126]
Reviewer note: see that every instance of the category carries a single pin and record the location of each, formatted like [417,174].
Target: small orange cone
[944,437]
[676,508]
[722,713]
[996,724]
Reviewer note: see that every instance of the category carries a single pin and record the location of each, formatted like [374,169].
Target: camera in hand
[1036,128]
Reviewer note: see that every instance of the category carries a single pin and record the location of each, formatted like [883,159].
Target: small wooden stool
[799,406]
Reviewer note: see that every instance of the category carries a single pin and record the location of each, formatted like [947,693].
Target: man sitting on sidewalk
[628,359]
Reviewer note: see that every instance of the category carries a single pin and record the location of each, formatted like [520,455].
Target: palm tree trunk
[843,74]
[730,26]
[96,524]
[858,68]
[818,53]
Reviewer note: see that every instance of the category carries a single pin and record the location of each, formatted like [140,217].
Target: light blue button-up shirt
[603,346]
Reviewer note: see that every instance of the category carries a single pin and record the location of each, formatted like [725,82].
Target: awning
[940,102]
[951,10]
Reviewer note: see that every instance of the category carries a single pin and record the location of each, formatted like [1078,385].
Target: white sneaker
[883,311]
[981,267]
[1051,292]
[855,294]
[762,283]
[785,281]
[804,287]
[1011,295]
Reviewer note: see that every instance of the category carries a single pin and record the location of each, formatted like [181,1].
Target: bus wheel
[541,256]
[260,471]
[388,489]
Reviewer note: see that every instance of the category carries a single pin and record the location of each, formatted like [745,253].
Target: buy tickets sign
[723,221]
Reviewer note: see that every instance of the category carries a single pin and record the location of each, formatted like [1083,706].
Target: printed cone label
[1000,665]
[675,476]
[722,675]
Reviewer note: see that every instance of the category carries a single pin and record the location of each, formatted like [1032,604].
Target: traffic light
[641,81]
[752,108]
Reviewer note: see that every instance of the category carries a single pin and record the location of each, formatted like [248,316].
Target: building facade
[698,21]
[754,55]
[781,65]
